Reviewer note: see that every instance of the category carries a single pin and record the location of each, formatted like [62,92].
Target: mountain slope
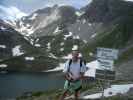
[16,53]
[118,35]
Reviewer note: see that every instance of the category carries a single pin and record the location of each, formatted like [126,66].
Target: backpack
[81,61]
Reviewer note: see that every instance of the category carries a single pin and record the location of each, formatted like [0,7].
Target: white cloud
[128,0]
[11,13]
[29,6]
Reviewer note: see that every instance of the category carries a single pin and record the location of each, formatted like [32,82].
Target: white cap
[75,47]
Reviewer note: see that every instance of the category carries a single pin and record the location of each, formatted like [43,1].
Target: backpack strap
[70,62]
[82,61]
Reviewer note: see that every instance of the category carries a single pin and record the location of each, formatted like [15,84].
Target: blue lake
[14,84]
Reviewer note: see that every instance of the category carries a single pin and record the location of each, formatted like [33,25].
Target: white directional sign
[106,64]
[106,57]
[106,53]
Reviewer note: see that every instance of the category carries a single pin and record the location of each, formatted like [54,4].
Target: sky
[15,9]
[28,6]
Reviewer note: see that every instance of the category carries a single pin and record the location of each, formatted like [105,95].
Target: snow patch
[62,44]
[3,66]
[27,25]
[31,41]
[94,35]
[79,13]
[25,30]
[84,21]
[16,51]
[76,37]
[61,49]
[57,30]
[3,46]
[85,41]
[33,16]
[52,56]
[129,0]
[68,35]
[112,91]
[89,24]
[37,45]
[26,38]
[48,45]
[29,58]
[75,47]
[2,28]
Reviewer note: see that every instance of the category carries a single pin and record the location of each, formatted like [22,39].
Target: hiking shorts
[73,86]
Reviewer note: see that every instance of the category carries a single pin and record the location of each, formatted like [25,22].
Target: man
[73,71]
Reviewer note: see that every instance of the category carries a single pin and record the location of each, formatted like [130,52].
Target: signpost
[106,57]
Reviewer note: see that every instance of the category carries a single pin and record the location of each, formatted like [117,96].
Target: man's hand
[68,76]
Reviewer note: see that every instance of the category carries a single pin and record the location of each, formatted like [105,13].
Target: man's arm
[65,71]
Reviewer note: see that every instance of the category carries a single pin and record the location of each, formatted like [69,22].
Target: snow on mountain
[3,66]
[79,13]
[16,51]
[68,35]
[29,58]
[33,16]
[3,46]
[62,44]
[76,37]
[11,13]
[57,30]
[61,49]
[49,46]
[2,28]
[37,45]
[52,56]
[37,21]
